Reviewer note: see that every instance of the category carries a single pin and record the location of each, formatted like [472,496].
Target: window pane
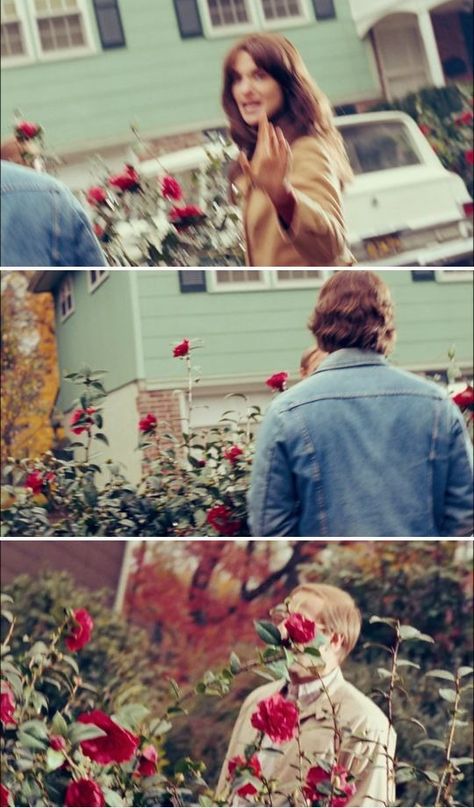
[59,33]
[376,147]
[227,12]
[238,276]
[276,9]
[12,40]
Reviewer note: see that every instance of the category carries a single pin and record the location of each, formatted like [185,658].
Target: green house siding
[163,83]
[258,332]
[101,333]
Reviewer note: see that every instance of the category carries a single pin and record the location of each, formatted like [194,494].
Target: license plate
[383,246]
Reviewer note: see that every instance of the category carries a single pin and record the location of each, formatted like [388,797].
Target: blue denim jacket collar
[349,358]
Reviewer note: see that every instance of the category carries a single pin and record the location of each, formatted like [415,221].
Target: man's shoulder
[354,705]
[262,692]
[21,178]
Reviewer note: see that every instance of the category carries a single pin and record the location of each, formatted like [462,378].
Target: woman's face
[254,90]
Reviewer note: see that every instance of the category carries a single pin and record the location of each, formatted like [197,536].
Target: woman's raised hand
[270,164]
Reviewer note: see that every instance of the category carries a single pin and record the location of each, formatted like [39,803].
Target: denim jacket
[43,224]
[361,448]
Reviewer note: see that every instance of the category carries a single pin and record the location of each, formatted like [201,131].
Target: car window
[379,146]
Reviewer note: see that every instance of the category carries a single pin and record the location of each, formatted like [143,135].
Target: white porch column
[433,61]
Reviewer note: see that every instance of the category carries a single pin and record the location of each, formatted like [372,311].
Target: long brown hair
[306,109]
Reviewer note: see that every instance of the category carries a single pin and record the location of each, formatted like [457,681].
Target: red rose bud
[147,424]
[182,349]
[423,127]
[185,212]
[83,419]
[170,188]
[128,180]
[238,763]
[247,790]
[84,793]
[7,704]
[233,453]
[147,762]
[277,381]
[81,632]
[300,629]
[277,718]
[220,518]
[464,399]
[27,130]
[96,195]
[465,119]
[469,155]
[57,743]
[315,776]
[36,481]
[5,796]
[118,744]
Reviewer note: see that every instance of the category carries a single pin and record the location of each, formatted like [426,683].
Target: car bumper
[454,253]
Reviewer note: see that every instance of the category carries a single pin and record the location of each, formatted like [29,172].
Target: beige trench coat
[316,236]
[367,751]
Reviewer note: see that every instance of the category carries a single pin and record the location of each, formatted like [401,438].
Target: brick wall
[164,405]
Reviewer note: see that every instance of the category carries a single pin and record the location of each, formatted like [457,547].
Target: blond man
[343,739]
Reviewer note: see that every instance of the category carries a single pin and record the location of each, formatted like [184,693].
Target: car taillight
[468,209]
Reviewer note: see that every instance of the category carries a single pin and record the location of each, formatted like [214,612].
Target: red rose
[338,777]
[277,381]
[170,188]
[128,180]
[83,418]
[36,481]
[247,790]
[465,119]
[233,453]
[465,398]
[7,704]
[423,127]
[185,212]
[239,762]
[117,746]
[5,796]
[81,633]
[147,762]
[300,629]
[220,518]
[147,424]
[277,718]
[314,777]
[27,130]
[182,349]
[84,793]
[57,743]
[469,155]
[96,195]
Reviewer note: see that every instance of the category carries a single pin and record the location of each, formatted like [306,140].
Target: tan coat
[367,752]
[316,236]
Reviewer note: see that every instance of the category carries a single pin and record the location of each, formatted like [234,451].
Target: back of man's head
[354,310]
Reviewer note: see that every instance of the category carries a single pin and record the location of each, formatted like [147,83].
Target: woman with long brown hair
[292,164]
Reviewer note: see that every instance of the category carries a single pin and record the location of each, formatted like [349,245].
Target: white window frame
[269,280]
[66,289]
[454,275]
[64,53]
[101,276]
[24,58]
[257,21]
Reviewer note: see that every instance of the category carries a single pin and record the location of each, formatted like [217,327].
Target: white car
[403,207]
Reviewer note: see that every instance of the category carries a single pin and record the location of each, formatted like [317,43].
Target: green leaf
[160,727]
[384,673]
[279,669]
[112,799]
[465,671]
[100,436]
[35,728]
[30,742]
[234,662]
[313,652]
[407,663]
[431,742]
[84,732]
[442,674]
[389,621]
[412,633]
[432,777]
[411,721]
[59,725]
[131,716]
[462,761]
[447,695]
[54,759]
[268,632]
[405,775]
[69,660]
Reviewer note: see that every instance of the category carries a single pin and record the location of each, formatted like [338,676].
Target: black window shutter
[423,274]
[192,280]
[324,9]
[109,23]
[188,17]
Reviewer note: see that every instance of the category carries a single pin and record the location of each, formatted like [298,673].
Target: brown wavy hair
[306,109]
[354,310]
